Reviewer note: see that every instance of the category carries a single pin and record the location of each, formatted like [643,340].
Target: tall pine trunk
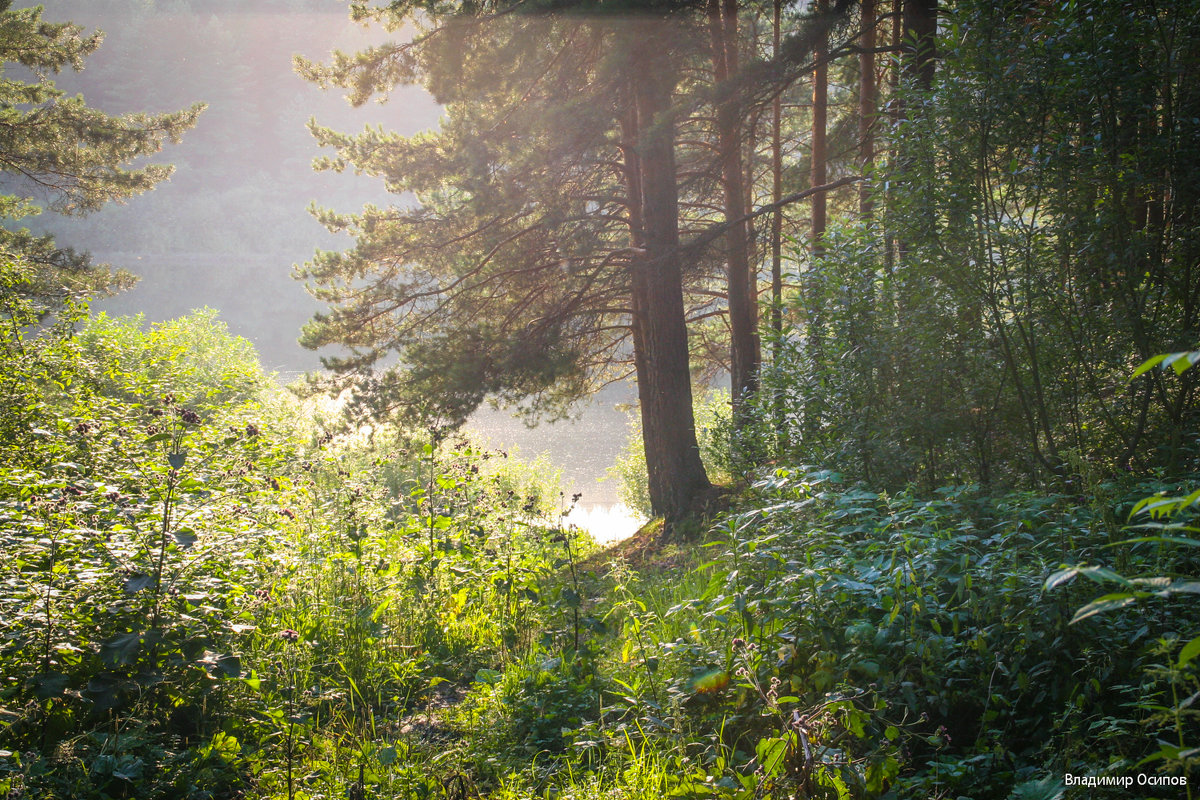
[863,325]
[920,32]
[818,176]
[743,323]
[676,474]
[777,230]
[868,99]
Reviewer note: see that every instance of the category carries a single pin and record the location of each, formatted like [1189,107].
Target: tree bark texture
[777,193]
[814,288]
[920,31]
[743,323]
[820,113]
[676,474]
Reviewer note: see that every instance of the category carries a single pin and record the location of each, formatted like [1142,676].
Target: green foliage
[1030,237]
[132,526]
[937,606]
[195,356]
[38,366]
[1169,524]
[195,602]
[199,602]
[544,699]
[526,303]
[202,597]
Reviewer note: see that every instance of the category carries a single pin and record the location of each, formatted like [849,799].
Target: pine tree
[542,255]
[59,154]
[563,218]
[745,357]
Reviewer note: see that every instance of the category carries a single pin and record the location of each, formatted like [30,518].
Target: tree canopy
[961,560]
[541,251]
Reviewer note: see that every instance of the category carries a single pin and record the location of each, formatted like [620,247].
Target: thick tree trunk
[676,474]
[920,31]
[744,346]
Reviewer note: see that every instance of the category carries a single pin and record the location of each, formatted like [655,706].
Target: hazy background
[225,231]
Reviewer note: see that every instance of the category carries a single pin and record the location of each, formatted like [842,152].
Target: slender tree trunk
[631,163]
[676,474]
[818,177]
[777,231]
[749,157]
[777,195]
[744,348]
[896,113]
[863,297]
[820,111]
[868,100]
[915,31]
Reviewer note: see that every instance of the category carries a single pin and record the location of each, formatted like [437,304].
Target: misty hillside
[234,215]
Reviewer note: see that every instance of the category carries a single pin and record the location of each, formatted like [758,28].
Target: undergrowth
[205,597]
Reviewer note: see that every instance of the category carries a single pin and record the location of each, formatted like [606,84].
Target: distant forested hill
[225,230]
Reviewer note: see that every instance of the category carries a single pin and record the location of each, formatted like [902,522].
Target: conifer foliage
[568,213]
[60,153]
[542,254]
